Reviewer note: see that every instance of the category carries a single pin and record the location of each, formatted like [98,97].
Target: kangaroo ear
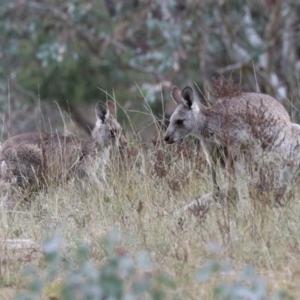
[111,108]
[187,96]
[176,95]
[101,111]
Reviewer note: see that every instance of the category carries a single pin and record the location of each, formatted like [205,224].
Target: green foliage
[122,277]
[64,51]
[119,277]
[242,285]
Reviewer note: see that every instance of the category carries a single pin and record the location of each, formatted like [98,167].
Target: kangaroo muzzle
[168,139]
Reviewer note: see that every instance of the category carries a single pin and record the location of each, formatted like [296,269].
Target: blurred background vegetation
[68,54]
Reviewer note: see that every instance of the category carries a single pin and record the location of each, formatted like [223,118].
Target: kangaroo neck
[90,143]
[201,123]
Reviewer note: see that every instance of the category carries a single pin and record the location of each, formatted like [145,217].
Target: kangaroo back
[230,122]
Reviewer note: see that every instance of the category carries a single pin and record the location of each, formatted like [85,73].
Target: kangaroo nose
[167,138]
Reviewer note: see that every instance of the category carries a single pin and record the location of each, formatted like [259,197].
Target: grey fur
[31,159]
[255,129]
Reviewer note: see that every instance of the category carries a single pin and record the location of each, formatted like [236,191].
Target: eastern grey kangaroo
[255,129]
[31,159]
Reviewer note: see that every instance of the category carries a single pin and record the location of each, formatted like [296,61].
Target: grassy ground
[142,198]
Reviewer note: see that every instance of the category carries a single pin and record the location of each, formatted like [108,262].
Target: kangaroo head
[185,117]
[107,130]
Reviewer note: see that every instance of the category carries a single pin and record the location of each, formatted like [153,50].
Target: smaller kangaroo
[254,128]
[31,159]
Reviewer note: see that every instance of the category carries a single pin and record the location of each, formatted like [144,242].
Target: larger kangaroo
[29,159]
[255,129]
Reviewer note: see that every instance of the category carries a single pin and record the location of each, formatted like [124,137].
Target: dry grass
[143,198]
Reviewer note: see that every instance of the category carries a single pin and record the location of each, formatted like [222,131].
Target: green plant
[119,277]
[237,285]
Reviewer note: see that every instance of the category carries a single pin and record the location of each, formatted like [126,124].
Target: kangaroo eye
[179,122]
